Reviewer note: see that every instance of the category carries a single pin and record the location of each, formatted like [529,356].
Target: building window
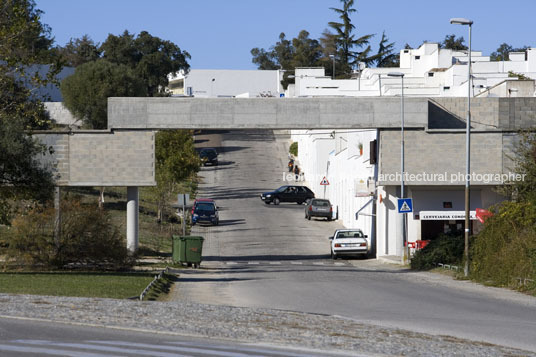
[406,51]
[430,74]
[417,57]
[446,88]
[447,204]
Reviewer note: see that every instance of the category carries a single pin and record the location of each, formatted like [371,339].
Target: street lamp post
[333,59]
[466,22]
[404,244]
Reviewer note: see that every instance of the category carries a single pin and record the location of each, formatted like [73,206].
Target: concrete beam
[264,113]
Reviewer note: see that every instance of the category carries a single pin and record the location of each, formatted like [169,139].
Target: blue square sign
[405,205]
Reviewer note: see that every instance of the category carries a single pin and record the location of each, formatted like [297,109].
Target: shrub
[446,249]
[87,238]
[293,148]
[506,248]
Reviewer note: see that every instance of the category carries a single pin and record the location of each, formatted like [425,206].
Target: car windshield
[208,152]
[205,208]
[350,234]
[320,203]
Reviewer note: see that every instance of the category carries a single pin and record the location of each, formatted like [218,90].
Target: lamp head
[461,21]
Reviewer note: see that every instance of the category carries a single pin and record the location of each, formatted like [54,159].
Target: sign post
[183,198]
[324,183]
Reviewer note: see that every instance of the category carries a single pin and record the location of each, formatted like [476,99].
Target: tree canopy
[24,40]
[79,51]
[125,65]
[338,41]
[386,56]
[453,43]
[503,52]
[151,58]
[86,92]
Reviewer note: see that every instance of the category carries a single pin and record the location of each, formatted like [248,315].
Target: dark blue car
[206,213]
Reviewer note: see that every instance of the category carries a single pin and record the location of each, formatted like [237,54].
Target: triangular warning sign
[324,181]
[405,207]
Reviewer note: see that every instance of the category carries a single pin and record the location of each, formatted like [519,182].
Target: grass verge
[79,284]
[161,287]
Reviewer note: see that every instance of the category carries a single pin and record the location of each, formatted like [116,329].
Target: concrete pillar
[132,218]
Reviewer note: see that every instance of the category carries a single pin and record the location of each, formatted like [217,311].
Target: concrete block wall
[494,113]
[117,158]
[440,153]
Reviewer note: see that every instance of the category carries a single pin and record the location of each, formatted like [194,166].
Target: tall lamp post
[462,21]
[404,245]
[333,59]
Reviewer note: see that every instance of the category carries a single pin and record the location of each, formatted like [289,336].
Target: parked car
[297,194]
[349,242]
[319,208]
[204,200]
[206,212]
[209,156]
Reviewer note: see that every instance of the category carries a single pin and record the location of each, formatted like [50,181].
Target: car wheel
[329,219]
[276,201]
[333,256]
[267,202]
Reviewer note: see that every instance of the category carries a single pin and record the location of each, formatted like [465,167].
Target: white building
[439,148]
[429,72]
[212,83]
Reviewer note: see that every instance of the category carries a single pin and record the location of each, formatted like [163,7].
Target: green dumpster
[187,249]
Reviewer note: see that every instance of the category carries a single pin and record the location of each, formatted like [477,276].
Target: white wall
[210,83]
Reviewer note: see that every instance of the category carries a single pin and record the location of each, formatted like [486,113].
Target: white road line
[296,263]
[231,263]
[52,351]
[275,263]
[249,349]
[339,264]
[186,347]
[318,263]
[127,351]
[253,263]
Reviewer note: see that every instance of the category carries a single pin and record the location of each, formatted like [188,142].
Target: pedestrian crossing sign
[324,181]
[405,205]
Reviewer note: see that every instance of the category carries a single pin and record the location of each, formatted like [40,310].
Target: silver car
[319,208]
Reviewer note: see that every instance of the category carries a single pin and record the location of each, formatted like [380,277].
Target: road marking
[339,264]
[318,263]
[296,263]
[253,263]
[231,263]
[275,263]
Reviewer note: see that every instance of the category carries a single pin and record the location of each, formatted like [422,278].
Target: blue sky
[219,34]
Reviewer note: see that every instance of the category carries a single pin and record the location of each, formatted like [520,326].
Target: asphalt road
[35,338]
[270,256]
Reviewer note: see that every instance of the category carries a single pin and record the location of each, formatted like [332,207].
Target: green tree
[79,51]
[346,42]
[503,52]
[176,161]
[263,59]
[453,43]
[86,92]
[301,51]
[151,58]
[386,55]
[525,165]
[24,41]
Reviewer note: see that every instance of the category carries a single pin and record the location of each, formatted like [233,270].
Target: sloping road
[270,256]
